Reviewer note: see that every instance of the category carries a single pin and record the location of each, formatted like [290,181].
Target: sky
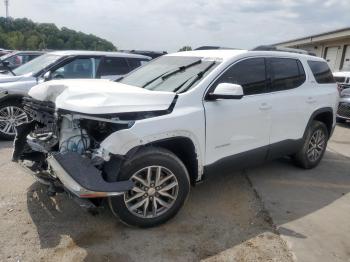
[171,24]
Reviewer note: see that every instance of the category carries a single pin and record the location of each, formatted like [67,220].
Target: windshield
[36,64]
[170,73]
[4,57]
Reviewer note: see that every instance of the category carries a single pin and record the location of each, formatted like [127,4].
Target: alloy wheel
[316,145]
[10,116]
[155,191]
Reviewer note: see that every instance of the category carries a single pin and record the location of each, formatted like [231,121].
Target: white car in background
[57,65]
[343,79]
[143,141]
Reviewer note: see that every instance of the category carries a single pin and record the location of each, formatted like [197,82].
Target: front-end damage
[63,150]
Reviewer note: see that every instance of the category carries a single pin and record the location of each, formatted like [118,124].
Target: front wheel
[314,146]
[161,187]
[11,114]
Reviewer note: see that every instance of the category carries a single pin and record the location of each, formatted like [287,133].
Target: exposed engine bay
[67,139]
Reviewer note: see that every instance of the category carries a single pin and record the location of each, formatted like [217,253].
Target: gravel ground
[223,220]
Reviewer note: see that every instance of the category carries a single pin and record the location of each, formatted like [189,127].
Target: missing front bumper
[81,178]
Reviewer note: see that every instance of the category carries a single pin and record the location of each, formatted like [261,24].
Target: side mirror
[47,76]
[226,91]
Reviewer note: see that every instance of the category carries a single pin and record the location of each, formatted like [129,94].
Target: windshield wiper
[172,72]
[197,77]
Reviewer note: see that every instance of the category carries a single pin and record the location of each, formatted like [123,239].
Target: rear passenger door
[288,116]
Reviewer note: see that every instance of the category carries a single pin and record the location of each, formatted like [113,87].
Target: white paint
[100,96]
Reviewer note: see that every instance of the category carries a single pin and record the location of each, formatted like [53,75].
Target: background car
[343,113]
[17,58]
[57,65]
[343,79]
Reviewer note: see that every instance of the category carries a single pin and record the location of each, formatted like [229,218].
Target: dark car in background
[343,113]
[15,59]
[57,65]
[152,54]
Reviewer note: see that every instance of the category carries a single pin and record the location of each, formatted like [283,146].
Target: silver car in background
[57,65]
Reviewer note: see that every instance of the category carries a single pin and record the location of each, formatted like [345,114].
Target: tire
[168,202]
[11,114]
[314,146]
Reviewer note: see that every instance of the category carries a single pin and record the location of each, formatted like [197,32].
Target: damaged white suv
[140,143]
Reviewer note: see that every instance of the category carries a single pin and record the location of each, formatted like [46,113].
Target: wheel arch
[12,97]
[324,115]
[181,146]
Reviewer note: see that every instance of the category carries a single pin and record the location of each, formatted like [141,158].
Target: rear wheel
[11,114]
[314,146]
[161,187]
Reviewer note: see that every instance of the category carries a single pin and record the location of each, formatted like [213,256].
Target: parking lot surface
[236,216]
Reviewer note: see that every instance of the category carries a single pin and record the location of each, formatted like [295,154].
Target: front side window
[286,73]
[249,73]
[321,72]
[78,68]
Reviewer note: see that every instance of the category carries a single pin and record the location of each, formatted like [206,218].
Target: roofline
[312,36]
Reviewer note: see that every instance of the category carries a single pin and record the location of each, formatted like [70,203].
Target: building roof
[335,34]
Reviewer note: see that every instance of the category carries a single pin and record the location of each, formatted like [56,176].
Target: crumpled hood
[96,96]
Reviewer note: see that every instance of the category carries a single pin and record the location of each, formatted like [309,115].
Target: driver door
[239,129]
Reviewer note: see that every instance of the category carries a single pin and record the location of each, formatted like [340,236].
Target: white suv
[142,142]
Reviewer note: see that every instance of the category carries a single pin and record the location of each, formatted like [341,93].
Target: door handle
[311,100]
[265,106]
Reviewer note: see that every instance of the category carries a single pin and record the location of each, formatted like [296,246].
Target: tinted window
[321,71]
[110,66]
[135,62]
[339,79]
[250,74]
[286,73]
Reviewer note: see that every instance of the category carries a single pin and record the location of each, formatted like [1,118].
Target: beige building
[333,46]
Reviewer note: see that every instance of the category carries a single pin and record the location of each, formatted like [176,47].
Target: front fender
[123,141]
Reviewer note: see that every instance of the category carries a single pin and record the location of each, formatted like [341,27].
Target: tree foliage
[185,48]
[24,34]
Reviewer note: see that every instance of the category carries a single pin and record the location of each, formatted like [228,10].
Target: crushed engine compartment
[54,137]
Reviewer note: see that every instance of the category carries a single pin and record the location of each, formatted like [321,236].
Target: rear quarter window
[321,72]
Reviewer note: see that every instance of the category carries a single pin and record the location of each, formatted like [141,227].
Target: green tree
[185,48]
[24,34]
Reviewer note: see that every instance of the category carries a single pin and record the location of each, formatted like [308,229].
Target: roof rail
[282,49]
[208,47]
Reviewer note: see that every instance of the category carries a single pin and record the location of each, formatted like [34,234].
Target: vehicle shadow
[220,214]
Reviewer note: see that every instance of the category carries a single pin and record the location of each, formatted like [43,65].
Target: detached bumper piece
[81,178]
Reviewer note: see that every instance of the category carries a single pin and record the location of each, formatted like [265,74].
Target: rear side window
[286,73]
[111,66]
[321,71]
[249,73]
[135,62]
